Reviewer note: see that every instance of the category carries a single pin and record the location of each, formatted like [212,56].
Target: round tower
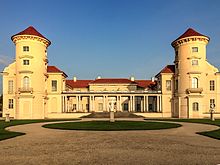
[190,68]
[31,71]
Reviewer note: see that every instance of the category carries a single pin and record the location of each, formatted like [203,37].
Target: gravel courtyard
[170,146]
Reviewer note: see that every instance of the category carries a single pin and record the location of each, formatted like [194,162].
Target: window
[26,83]
[26,48]
[26,62]
[194,82]
[54,85]
[87,106]
[195,106]
[195,49]
[10,103]
[195,62]
[10,86]
[168,85]
[100,105]
[176,85]
[74,106]
[212,85]
[212,103]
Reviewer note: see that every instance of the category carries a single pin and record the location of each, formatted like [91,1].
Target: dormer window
[195,49]
[26,48]
[26,62]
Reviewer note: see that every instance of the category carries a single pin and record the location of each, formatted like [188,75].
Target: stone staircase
[107,115]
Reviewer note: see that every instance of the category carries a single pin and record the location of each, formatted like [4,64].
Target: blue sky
[111,38]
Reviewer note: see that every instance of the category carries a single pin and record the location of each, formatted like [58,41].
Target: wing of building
[34,90]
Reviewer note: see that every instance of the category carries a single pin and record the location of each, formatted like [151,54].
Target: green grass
[213,134]
[112,126]
[4,134]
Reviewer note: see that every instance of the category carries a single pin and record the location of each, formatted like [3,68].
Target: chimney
[152,79]
[132,78]
[74,78]
[99,77]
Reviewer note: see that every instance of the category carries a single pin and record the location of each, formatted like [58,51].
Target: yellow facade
[34,90]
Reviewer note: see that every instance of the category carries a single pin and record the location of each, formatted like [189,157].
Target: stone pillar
[77,103]
[90,103]
[144,104]
[147,106]
[63,104]
[133,103]
[104,103]
[66,110]
[158,105]
[130,104]
[93,103]
[119,103]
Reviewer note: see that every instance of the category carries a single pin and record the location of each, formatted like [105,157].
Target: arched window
[195,106]
[194,82]
[26,82]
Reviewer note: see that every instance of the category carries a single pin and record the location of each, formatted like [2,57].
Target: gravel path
[172,146]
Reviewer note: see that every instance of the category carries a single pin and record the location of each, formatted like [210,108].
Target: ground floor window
[100,106]
[195,106]
[212,103]
[125,107]
[74,106]
[10,103]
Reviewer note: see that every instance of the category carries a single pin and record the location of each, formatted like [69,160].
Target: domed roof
[31,31]
[189,33]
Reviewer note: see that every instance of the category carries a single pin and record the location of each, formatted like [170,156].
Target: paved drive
[171,146]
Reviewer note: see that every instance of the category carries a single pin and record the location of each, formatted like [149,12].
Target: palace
[34,90]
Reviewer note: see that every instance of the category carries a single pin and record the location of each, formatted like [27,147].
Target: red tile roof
[167,69]
[54,69]
[31,31]
[188,33]
[145,83]
[113,81]
[78,83]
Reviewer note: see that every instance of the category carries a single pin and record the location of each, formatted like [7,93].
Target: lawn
[112,126]
[213,134]
[4,134]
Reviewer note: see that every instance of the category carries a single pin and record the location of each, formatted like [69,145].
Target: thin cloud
[5,60]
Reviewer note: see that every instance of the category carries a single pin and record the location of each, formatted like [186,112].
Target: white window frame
[195,106]
[195,82]
[26,62]
[10,86]
[195,62]
[54,86]
[26,49]
[168,85]
[212,85]
[195,49]
[10,103]
[26,82]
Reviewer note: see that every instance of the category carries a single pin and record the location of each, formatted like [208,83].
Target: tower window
[194,82]
[26,83]
[212,103]
[10,86]
[195,106]
[195,62]
[168,85]
[54,85]
[26,48]
[195,49]
[10,103]
[212,85]
[26,62]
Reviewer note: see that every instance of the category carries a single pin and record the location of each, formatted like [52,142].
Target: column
[104,106]
[119,103]
[144,104]
[147,106]
[77,104]
[63,105]
[66,110]
[93,103]
[129,104]
[90,103]
[158,104]
[133,104]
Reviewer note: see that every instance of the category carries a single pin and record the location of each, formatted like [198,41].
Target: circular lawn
[112,126]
